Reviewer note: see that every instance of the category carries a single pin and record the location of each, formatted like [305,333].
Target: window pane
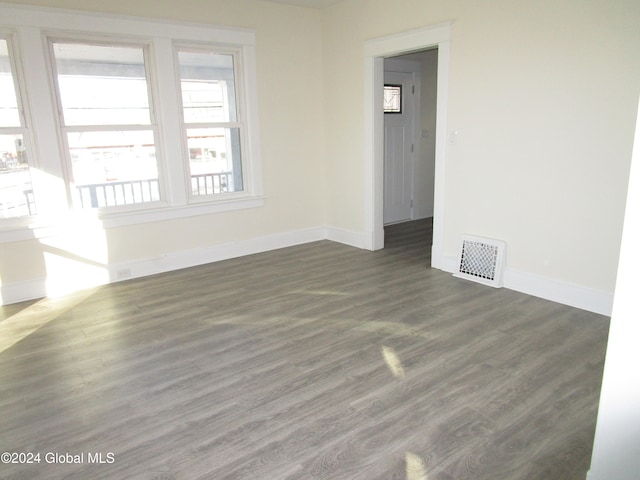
[214,160]
[16,195]
[9,116]
[208,91]
[102,85]
[393,99]
[114,168]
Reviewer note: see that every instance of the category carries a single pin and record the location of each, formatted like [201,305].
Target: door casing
[375,51]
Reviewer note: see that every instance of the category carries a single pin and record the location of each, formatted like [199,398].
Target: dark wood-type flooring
[319,361]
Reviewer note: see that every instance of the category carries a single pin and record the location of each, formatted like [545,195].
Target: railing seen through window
[213,124]
[107,123]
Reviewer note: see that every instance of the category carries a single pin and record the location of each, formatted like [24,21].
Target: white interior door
[398,152]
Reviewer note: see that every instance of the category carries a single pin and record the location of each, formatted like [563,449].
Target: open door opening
[376,51]
[410,93]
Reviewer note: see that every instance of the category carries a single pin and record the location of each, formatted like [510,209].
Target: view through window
[124,120]
[16,194]
[212,123]
[107,123]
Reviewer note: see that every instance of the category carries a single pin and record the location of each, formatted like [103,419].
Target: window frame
[33,26]
[239,123]
[64,129]
[24,129]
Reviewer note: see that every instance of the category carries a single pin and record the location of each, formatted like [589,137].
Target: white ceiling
[309,3]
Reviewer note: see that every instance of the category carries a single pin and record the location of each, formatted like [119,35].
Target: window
[138,121]
[393,99]
[107,123]
[212,121]
[16,191]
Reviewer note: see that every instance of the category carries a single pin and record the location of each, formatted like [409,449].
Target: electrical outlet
[123,273]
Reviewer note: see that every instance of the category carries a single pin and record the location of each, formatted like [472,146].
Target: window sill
[21,229]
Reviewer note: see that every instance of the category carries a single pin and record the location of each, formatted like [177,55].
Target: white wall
[542,94]
[616,450]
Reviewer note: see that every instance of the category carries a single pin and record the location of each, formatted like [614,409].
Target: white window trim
[32,26]
[240,115]
[153,126]
[25,128]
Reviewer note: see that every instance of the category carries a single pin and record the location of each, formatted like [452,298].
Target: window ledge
[36,228]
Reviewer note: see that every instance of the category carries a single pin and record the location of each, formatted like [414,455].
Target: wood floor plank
[318,361]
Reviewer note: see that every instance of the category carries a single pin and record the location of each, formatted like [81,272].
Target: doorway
[409,136]
[376,51]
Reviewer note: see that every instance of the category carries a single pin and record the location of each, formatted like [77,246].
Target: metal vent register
[481,260]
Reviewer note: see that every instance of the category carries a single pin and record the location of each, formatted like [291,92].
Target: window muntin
[16,190]
[213,127]
[107,123]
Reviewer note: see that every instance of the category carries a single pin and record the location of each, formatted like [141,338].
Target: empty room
[319,239]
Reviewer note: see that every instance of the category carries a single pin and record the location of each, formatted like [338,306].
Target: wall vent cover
[481,260]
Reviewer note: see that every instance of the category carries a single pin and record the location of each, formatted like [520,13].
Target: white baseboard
[578,296]
[448,264]
[38,288]
[23,291]
[214,253]
[349,237]
[550,289]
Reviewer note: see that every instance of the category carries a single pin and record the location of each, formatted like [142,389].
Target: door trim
[375,51]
